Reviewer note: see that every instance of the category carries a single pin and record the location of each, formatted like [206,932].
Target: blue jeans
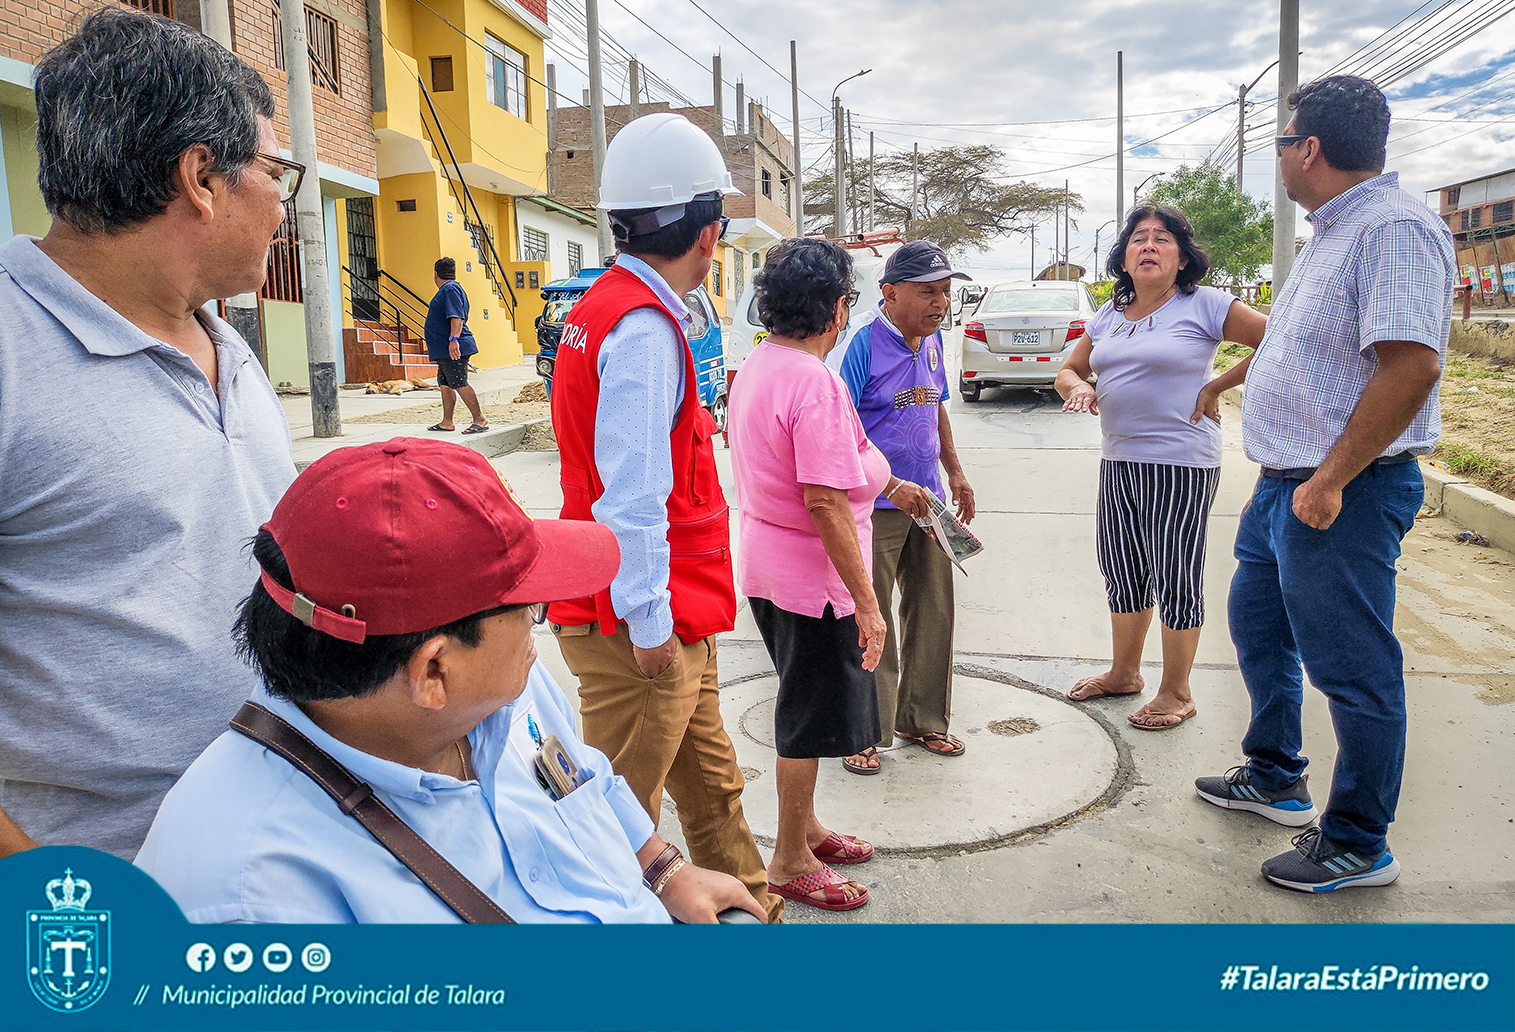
[1326,598]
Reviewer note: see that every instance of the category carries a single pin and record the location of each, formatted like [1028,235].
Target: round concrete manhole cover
[1045,762]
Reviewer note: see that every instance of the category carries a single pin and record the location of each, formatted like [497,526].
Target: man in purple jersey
[895,367]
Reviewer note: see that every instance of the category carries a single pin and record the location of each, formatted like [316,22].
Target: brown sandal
[925,740]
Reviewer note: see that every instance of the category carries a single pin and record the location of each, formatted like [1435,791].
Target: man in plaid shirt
[1340,399]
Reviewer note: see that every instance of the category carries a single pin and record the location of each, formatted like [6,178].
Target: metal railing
[409,308]
[483,240]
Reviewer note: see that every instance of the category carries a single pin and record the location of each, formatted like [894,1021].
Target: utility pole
[1057,225]
[839,217]
[215,21]
[1033,251]
[1241,135]
[715,67]
[1241,125]
[799,182]
[636,89]
[915,179]
[1067,233]
[741,107]
[856,218]
[552,126]
[871,226]
[596,121]
[315,291]
[1288,82]
[1120,138]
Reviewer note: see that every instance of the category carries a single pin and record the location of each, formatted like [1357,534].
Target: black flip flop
[853,768]
[474,428]
[438,428]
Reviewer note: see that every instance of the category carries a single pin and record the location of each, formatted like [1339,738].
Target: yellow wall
[479,133]
[18,134]
[411,242]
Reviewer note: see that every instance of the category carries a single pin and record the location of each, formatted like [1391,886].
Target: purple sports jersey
[897,394]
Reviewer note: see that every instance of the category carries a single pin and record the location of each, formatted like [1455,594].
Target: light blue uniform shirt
[641,369]
[244,836]
[129,489]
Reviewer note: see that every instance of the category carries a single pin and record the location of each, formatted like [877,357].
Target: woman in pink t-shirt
[806,480]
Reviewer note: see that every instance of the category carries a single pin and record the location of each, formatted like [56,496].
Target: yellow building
[460,119]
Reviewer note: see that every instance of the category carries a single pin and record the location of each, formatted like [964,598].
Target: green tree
[1235,230]
[963,202]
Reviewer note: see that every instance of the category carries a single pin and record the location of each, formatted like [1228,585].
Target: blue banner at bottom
[93,943]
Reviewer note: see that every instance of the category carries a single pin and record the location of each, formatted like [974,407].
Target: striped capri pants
[1151,536]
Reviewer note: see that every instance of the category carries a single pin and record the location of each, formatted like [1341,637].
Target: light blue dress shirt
[641,369]
[245,837]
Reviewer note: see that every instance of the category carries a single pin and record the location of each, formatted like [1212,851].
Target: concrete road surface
[1062,812]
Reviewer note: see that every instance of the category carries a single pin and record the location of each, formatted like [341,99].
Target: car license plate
[1026,338]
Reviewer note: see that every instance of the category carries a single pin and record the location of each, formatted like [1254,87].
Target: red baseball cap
[410,534]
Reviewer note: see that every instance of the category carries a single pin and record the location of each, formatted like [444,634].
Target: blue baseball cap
[919,261]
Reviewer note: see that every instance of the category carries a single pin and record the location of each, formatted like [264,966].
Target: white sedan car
[1021,334]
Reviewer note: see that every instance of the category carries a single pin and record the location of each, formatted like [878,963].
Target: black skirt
[828,704]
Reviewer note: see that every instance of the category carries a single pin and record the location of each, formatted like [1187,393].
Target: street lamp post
[840,212]
[1136,192]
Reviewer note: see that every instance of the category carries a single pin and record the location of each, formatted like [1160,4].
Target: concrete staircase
[368,349]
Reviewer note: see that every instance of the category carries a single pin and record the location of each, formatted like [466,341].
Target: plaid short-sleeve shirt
[1380,267]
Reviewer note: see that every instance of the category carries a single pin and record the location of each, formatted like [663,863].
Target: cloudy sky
[1038,80]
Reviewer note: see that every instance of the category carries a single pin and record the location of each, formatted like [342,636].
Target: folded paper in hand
[948,531]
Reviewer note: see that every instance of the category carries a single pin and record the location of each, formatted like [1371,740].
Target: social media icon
[200,957]
[316,957]
[238,957]
[277,957]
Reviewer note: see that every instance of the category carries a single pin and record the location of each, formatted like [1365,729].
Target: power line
[782,77]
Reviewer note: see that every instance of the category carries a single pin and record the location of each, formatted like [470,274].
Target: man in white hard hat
[636,453]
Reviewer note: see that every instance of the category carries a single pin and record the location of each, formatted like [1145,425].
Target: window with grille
[785,186]
[505,76]
[1472,218]
[1454,195]
[533,245]
[767,184]
[321,41]
[717,275]
[1504,211]
[575,258]
[441,75]
[163,7]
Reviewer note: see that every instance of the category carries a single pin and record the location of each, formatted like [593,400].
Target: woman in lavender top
[1150,352]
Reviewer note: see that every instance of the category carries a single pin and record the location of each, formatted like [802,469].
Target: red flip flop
[843,849]
[825,880]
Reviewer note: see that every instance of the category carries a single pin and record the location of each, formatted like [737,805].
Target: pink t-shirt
[792,423]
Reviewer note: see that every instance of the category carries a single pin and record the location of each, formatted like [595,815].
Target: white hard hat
[661,161]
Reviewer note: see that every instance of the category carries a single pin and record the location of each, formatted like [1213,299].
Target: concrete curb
[1459,500]
[492,443]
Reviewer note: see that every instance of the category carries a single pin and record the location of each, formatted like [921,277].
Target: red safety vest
[699,538]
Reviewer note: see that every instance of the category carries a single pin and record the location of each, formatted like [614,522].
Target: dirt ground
[1477,418]
[529,403]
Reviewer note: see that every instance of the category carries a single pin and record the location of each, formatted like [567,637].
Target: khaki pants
[668,732]
[914,677]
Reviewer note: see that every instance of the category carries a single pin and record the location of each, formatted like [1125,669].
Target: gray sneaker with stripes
[1316,864]
[1234,790]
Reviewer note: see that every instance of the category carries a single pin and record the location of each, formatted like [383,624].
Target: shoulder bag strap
[356,799]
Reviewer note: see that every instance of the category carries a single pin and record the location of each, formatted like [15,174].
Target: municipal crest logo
[934,358]
[68,948]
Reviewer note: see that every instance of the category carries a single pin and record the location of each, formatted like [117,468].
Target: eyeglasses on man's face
[725,222]
[851,297]
[538,613]
[1280,142]
[289,176]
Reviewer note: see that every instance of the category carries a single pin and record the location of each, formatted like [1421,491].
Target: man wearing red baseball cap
[405,723]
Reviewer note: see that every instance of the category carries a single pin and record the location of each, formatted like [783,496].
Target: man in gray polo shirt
[125,508]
